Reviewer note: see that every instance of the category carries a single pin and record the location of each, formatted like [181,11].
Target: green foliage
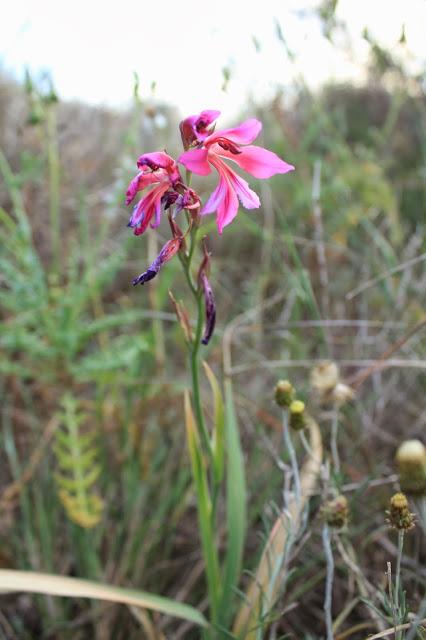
[77,457]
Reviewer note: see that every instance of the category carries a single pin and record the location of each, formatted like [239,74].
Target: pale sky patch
[92,48]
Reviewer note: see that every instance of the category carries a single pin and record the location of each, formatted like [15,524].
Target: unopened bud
[411,464]
[336,512]
[284,393]
[297,415]
[399,513]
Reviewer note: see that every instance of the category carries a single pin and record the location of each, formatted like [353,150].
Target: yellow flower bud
[284,393]
[411,464]
[297,415]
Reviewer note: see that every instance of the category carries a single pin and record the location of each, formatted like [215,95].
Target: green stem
[398,577]
[195,376]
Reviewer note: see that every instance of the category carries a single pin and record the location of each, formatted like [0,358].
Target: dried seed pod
[324,377]
[336,512]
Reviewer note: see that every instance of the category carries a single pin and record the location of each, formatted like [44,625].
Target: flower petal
[196,160]
[139,182]
[146,208]
[260,162]
[156,160]
[245,133]
[223,200]
[248,198]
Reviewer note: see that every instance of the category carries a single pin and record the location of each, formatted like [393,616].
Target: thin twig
[389,272]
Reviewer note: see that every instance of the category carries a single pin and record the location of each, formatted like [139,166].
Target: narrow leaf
[236,503]
[219,425]
[33,582]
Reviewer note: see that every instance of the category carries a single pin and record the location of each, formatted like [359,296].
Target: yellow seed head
[399,513]
[284,393]
[336,512]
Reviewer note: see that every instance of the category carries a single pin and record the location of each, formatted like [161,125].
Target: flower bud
[297,415]
[284,393]
[336,512]
[399,513]
[411,464]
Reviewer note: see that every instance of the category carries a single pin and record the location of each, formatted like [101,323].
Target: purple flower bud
[167,252]
[210,309]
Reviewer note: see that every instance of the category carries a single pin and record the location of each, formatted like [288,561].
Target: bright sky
[92,47]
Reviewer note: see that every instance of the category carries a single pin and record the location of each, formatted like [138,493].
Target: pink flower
[157,169]
[230,144]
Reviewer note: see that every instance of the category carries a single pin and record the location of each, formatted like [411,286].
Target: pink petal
[248,198]
[196,160]
[146,208]
[223,200]
[245,133]
[155,160]
[215,198]
[139,182]
[260,162]
[206,118]
[227,209]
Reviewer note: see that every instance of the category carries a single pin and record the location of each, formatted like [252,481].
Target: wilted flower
[324,377]
[230,144]
[327,386]
[336,512]
[157,169]
[399,513]
[167,252]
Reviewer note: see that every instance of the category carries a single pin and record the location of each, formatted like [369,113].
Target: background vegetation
[94,471]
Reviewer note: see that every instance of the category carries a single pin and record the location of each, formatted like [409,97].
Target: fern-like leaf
[78,468]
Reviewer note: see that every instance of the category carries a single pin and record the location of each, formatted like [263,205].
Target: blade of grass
[236,504]
[34,582]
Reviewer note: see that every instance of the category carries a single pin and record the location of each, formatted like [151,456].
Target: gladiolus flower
[157,169]
[230,144]
[169,250]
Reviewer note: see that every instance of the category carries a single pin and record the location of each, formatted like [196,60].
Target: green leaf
[33,582]
[218,444]
[199,473]
[236,504]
